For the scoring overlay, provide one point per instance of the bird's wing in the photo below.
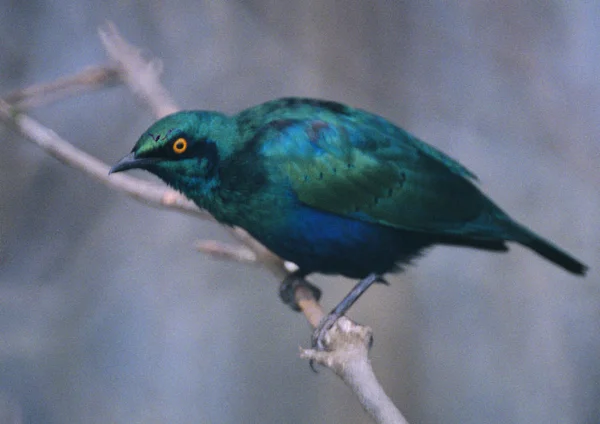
(370, 170)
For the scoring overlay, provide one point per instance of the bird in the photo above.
(332, 188)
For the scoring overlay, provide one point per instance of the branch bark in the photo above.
(40, 94)
(141, 76)
(347, 343)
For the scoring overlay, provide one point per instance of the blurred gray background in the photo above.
(108, 315)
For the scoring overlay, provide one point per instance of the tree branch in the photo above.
(227, 251)
(141, 76)
(40, 94)
(347, 343)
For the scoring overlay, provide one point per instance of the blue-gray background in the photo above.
(107, 314)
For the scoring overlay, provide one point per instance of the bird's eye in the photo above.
(180, 145)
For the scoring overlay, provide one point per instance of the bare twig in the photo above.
(347, 342)
(310, 307)
(40, 94)
(142, 76)
(227, 251)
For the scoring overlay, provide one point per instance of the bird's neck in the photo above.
(238, 188)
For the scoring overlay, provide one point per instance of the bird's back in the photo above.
(359, 166)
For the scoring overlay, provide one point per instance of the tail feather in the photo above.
(549, 251)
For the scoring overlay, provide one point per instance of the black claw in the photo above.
(287, 289)
(324, 326)
(319, 334)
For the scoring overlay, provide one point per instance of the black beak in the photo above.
(131, 162)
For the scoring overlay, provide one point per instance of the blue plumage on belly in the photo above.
(319, 241)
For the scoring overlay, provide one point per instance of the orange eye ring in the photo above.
(180, 145)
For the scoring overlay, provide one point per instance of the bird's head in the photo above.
(183, 149)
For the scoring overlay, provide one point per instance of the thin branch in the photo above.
(41, 94)
(141, 76)
(227, 251)
(311, 309)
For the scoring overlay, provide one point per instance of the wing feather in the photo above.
(361, 166)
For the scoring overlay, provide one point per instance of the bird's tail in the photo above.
(548, 250)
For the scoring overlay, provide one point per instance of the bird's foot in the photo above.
(347, 343)
(318, 336)
(288, 287)
(333, 335)
(342, 307)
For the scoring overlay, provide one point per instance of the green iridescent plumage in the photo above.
(321, 183)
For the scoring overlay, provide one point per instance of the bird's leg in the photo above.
(342, 308)
(287, 289)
